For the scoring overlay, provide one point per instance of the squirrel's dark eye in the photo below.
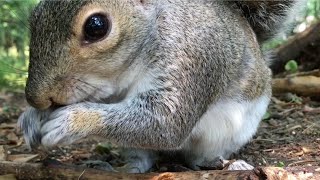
(96, 27)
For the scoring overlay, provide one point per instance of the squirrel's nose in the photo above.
(39, 103)
(38, 100)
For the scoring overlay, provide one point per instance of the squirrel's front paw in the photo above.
(69, 124)
(30, 123)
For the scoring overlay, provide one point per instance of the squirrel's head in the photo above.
(82, 49)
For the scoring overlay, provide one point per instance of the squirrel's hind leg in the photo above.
(225, 127)
(137, 160)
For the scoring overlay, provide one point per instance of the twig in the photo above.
(300, 162)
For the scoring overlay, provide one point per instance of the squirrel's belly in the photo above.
(226, 127)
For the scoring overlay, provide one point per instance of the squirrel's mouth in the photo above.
(56, 106)
(67, 90)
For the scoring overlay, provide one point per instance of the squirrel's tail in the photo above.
(267, 16)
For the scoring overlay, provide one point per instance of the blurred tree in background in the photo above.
(300, 22)
(313, 8)
(14, 38)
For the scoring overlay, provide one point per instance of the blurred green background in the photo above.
(14, 38)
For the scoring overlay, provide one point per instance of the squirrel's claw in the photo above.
(68, 124)
(60, 126)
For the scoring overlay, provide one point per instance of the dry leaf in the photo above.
(4, 132)
(8, 126)
(20, 141)
(23, 158)
(8, 177)
(299, 153)
(307, 150)
(12, 137)
(3, 154)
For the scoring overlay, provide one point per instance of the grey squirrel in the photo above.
(172, 75)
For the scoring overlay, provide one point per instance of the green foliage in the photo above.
(281, 164)
(13, 73)
(311, 13)
(313, 8)
(14, 24)
(14, 40)
(266, 116)
(104, 148)
(293, 98)
(291, 66)
(272, 43)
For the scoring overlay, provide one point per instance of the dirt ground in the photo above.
(289, 135)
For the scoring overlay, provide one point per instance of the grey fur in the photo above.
(174, 60)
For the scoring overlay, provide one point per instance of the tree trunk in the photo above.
(305, 84)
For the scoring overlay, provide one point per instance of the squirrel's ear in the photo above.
(266, 16)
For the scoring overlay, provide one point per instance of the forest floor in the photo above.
(289, 135)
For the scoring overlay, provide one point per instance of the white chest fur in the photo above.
(224, 128)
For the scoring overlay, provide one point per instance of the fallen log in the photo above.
(40, 171)
(301, 85)
(315, 72)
